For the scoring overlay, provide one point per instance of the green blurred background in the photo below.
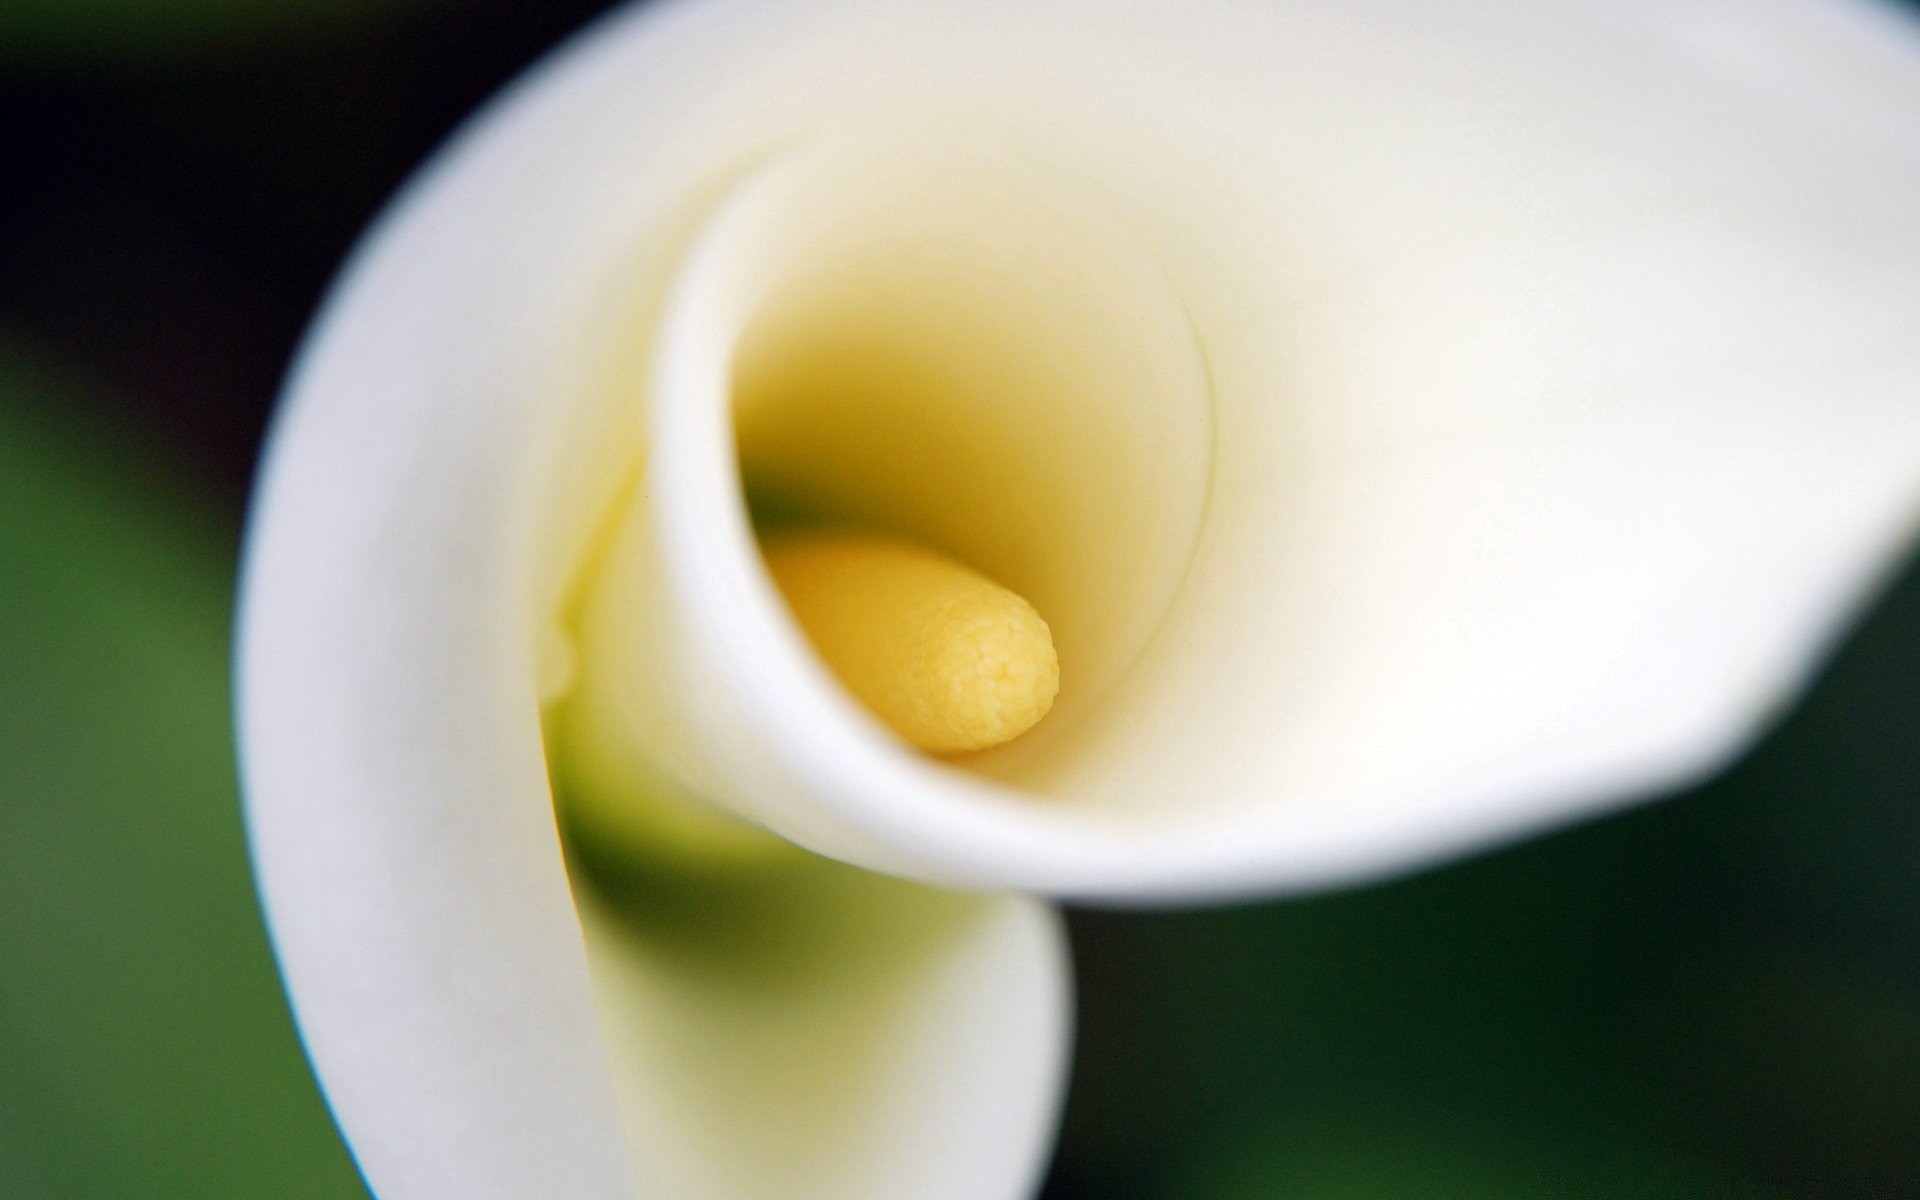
(1714, 996)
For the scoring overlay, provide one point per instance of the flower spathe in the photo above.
(1421, 422)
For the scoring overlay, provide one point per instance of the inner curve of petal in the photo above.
(1561, 410)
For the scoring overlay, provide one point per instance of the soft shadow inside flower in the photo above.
(955, 353)
(955, 348)
(962, 351)
(763, 1019)
(1418, 424)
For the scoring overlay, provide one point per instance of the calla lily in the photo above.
(1421, 422)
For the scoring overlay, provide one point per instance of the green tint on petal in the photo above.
(766, 1002)
(145, 1042)
(780, 1024)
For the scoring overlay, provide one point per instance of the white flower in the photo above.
(1421, 421)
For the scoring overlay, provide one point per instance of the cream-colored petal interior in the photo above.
(818, 1032)
(952, 347)
(945, 344)
(1422, 420)
(1418, 427)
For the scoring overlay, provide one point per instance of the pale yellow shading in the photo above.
(947, 658)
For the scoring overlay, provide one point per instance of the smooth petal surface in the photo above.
(1561, 404)
(819, 1032)
(400, 568)
(1536, 396)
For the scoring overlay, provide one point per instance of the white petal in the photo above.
(1563, 409)
(413, 527)
(1562, 404)
(826, 1034)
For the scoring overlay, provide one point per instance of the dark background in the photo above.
(1714, 996)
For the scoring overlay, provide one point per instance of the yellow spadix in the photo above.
(949, 659)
